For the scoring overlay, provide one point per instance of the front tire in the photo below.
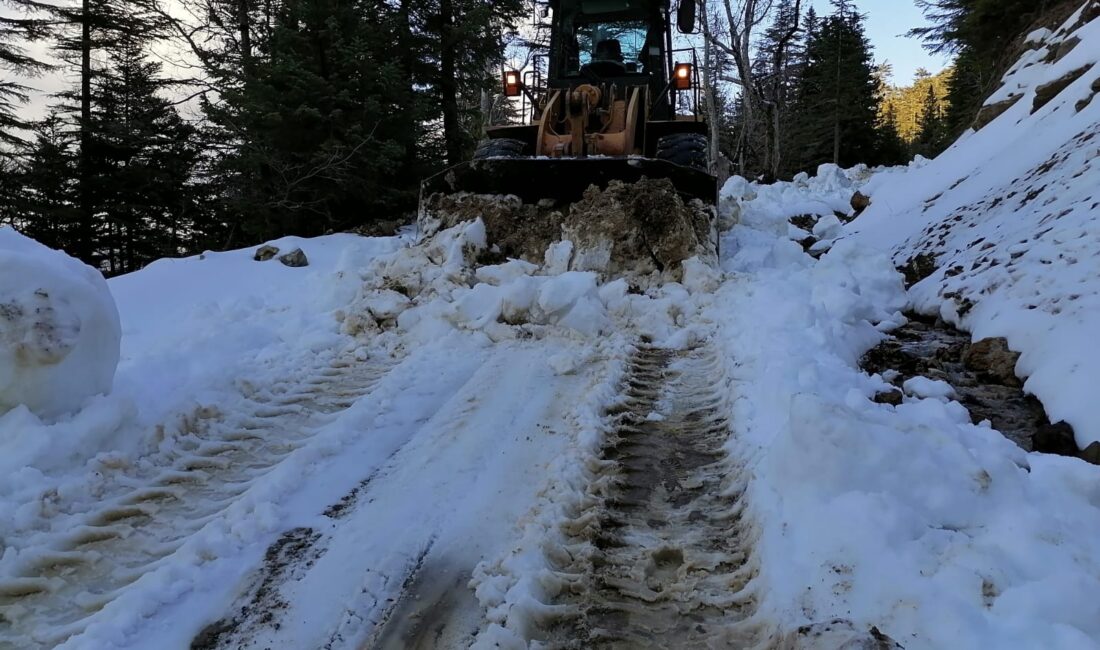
(501, 148)
(687, 149)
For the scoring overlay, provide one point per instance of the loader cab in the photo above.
(622, 42)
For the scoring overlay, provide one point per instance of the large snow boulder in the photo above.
(59, 329)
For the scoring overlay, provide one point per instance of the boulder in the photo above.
(918, 267)
(860, 202)
(990, 112)
(992, 359)
(1045, 93)
(295, 258)
(265, 253)
(891, 397)
(1054, 439)
(1091, 454)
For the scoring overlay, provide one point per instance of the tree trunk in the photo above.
(84, 247)
(245, 30)
(448, 84)
(710, 78)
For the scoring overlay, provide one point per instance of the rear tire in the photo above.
(687, 149)
(501, 148)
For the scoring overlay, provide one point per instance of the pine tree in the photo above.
(86, 32)
(892, 149)
(980, 33)
(144, 156)
(45, 207)
(931, 139)
(837, 103)
(321, 125)
(29, 25)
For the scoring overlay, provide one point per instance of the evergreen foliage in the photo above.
(838, 102)
(980, 33)
(28, 24)
(907, 102)
(932, 136)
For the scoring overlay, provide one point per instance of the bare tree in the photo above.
(742, 19)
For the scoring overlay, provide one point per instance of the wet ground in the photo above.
(981, 374)
(661, 559)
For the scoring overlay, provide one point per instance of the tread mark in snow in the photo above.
(284, 556)
(661, 559)
(147, 512)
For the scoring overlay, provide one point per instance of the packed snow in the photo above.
(59, 331)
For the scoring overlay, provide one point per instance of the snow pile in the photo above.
(59, 329)
(635, 229)
(1006, 221)
(939, 532)
(424, 291)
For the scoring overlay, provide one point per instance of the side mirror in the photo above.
(685, 16)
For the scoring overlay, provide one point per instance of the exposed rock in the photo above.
(837, 634)
(1054, 439)
(805, 221)
(918, 268)
(1048, 91)
(1058, 53)
(991, 112)
(926, 347)
(993, 360)
(295, 258)
(265, 253)
(891, 397)
(1091, 454)
(1090, 13)
(860, 202)
(1083, 104)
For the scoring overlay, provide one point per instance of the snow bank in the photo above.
(941, 533)
(1009, 217)
(59, 329)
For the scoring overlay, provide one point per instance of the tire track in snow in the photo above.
(153, 509)
(660, 558)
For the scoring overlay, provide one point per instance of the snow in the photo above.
(1010, 214)
(939, 532)
(59, 332)
(431, 425)
(928, 388)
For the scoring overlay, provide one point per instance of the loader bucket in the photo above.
(564, 180)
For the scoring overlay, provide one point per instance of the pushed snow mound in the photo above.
(59, 329)
(1000, 232)
(627, 229)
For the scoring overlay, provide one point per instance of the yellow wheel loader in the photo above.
(607, 110)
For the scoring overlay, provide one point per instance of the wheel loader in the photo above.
(606, 110)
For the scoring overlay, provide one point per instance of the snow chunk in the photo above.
(828, 227)
(59, 329)
(504, 273)
(928, 388)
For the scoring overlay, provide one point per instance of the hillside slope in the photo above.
(1008, 218)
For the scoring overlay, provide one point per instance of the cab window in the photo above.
(604, 43)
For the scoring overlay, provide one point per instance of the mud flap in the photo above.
(564, 180)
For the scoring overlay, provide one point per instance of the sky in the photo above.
(887, 23)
